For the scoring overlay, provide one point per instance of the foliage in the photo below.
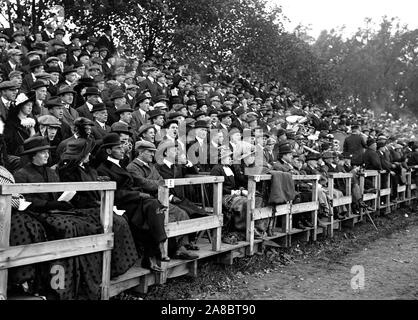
(376, 67)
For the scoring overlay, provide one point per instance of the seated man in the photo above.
(174, 166)
(144, 214)
(337, 192)
(312, 169)
(147, 178)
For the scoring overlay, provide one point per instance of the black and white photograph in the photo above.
(216, 157)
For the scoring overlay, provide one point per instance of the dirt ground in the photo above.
(320, 270)
(390, 272)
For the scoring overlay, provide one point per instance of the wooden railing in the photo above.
(213, 222)
(372, 198)
(384, 192)
(345, 200)
(51, 250)
(284, 211)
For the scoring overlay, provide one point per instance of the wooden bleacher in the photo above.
(211, 247)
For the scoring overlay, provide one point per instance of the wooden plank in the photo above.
(369, 173)
(163, 197)
(341, 201)
(178, 228)
(384, 192)
(134, 272)
(250, 215)
(306, 177)
(191, 181)
(24, 188)
(106, 217)
(264, 177)
(314, 214)
(340, 175)
(401, 188)
(52, 250)
(118, 287)
(369, 196)
(5, 217)
(304, 207)
(217, 210)
(261, 177)
(179, 270)
(266, 212)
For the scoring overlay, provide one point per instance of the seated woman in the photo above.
(82, 274)
(74, 167)
(24, 229)
(19, 125)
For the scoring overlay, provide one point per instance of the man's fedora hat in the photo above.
(91, 91)
(117, 94)
(110, 140)
(98, 107)
(119, 127)
(124, 108)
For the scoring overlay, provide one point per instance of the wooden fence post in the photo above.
(5, 221)
(217, 210)
(106, 217)
(331, 218)
(315, 212)
(163, 197)
(250, 210)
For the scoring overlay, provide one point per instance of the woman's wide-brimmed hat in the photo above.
(78, 149)
(35, 144)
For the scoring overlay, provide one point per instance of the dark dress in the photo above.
(24, 229)
(14, 135)
(82, 273)
(124, 254)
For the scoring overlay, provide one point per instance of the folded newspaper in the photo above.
(23, 204)
(67, 196)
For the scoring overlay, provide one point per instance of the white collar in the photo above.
(101, 124)
(200, 140)
(89, 105)
(143, 162)
(5, 101)
(115, 161)
(151, 78)
(168, 163)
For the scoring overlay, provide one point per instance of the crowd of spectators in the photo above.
(86, 111)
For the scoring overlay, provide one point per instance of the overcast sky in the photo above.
(328, 14)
